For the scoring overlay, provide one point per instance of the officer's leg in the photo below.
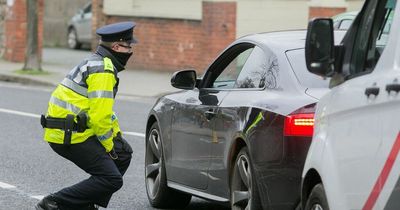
(124, 152)
(92, 158)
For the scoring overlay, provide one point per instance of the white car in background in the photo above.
(353, 159)
(80, 28)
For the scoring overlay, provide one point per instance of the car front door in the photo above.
(353, 114)
(193, 121)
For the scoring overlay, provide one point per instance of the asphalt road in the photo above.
(29, 169)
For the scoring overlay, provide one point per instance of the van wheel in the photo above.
(158, 193)
(317, 199)
(244, 191)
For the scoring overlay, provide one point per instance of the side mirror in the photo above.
(185, 79)
(319, 50)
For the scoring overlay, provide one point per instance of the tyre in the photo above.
(72, 41)
(158, 193)
(317, 199)
(244, 191)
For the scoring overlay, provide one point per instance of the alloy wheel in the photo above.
(242, 186)
(153, 163)
(317, 207)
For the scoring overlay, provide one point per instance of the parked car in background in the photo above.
(353, 161)
(240, 134)
(344, 20)
(80, 28)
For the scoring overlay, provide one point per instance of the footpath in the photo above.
(58, 62)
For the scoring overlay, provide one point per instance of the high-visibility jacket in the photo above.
(90, 88)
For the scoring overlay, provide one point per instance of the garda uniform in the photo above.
(81, 126)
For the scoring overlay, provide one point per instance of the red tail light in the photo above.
(300, 122)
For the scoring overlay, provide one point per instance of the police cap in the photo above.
(117, 32)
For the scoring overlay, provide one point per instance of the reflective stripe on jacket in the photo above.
(90, 87)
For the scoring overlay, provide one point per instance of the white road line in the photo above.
(38, 197)
(134, 134)
(7, 186)
(9, 111)
(26, 114)
(16, 190)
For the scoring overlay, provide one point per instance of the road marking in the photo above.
(26, 114)
(134, 134)
(38, 197)
(7, 186)
(15, 189)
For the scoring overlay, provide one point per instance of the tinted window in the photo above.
(371, 36)
(298, 62)
(88, 9)
(254, 71)
(227, 78)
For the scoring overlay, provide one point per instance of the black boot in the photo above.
(47, 203)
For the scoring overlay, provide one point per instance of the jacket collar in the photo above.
(106, 52)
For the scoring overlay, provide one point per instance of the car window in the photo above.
(371, 36)
(306, 79)
(254, 71)
(88, 9)
(345, 24)
(227, 78)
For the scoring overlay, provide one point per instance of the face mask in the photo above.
(122, 57)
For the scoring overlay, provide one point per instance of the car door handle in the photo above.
(372, 91)
(209, 114)
(393, 87)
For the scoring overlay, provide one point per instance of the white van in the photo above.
(353, 160)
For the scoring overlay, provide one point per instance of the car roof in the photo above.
(286, 39)
(282, 40)
(344, 15)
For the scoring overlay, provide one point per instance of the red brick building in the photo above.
(171, 42)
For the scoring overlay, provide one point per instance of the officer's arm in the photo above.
(115, 122)
(101, 101)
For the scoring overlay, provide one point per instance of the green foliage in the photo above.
(32, 72)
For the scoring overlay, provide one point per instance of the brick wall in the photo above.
(173, 44)
(16, 30)
(325, 11)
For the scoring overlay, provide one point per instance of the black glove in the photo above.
(113, 154)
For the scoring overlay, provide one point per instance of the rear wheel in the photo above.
(244, 191)
(317, 199)
(73, 42)
(158, 193)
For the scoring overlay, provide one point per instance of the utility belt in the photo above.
(67, 124)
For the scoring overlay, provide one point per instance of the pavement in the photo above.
(59, 61)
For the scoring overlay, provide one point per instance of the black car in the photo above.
(240, 134)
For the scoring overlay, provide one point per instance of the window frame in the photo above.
(375, 13)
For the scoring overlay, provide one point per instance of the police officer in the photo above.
(80, 124)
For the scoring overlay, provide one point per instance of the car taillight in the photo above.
(300, 122)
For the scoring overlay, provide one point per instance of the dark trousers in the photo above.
(106, 173)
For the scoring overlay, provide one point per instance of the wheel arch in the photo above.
(150, 121)
(311, 179)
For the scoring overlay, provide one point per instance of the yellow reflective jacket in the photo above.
(90, 87)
